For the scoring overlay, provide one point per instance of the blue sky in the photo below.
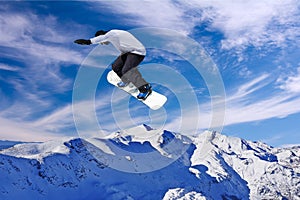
(254, 45)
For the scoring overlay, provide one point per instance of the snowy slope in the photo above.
(143, 163)
(270, 173)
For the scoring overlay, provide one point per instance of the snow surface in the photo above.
(36, 151)
(144, 163)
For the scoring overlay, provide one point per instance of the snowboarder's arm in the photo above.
(83, 42)
(101, 39)
(91, 41)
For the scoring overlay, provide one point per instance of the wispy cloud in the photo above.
(253, 22)
(242, 23)
(249, 88)
(38, 39)
(41, 46)
(165, 14)
(22, 131)
(244, 105)
(60, 119)
(8, 67)
(290, 84)
(249, 106)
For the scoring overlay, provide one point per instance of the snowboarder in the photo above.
(125, 66)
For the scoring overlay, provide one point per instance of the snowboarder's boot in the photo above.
(145, 91)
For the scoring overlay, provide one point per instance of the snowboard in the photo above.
(154, 101)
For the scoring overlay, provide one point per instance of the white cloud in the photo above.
(22, 131)
(249, 87)
(252, 22)
(244, 107)
(165, 14)
(8, 67)
(35, 39)
(42, 45)
(62, 118)
(50, 126)
(291, 84)
(242, 22)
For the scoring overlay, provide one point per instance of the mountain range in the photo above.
(145, 163)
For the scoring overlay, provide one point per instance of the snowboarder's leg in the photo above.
(125, 66)
(130, 71)
(118, 64)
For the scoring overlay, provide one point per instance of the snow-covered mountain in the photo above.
(144, 163)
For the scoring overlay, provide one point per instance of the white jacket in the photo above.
(122, 40)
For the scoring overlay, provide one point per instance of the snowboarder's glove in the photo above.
(83, 42)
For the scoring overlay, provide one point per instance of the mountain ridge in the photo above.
(154, 164)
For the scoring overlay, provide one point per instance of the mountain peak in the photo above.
(143, 128)
(141, 133)
(148, 128)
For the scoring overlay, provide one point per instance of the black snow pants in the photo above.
(126, 68)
